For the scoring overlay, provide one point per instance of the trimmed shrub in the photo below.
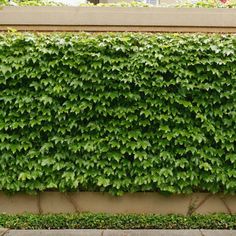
(109, 221)
(121, 112)
(22, 3)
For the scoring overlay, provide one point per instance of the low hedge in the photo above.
(109, 221)
(22, 3)
(119, 113)
(207, 4)
(181, 4)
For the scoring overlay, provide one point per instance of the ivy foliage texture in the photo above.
(119, 113)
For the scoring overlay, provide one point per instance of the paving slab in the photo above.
(103, 233)
(218, 232)
(88, 232)
(67, 232)
(152, 233)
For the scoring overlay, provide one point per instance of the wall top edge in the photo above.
(112, 16)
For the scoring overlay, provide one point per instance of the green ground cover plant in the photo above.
(115, 221)
(118, 112)
(184, 4)
(207, 4)
(178, 4)
(118, 4)
(22, 3)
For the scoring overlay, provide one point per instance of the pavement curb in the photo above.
(94, 232)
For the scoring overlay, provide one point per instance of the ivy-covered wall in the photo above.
(118, 112)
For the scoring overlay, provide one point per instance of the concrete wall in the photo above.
(55, 202)
(118, 19)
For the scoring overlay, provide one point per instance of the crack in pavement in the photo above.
(201, 232)
(4, 232)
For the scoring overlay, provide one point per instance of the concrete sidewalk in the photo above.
(94, 232)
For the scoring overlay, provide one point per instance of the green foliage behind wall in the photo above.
(118, 112)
